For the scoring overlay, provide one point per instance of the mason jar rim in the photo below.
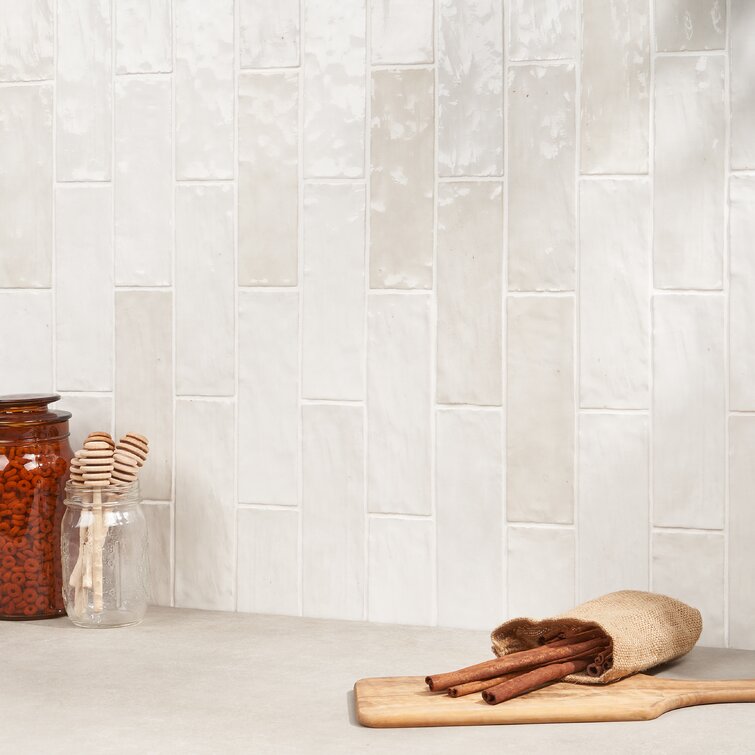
(115, 494)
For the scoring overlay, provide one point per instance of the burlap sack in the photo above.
(646, 629)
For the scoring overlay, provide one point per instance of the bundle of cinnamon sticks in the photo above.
(560, 653)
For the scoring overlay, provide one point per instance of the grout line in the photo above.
(173, 484)
(689, 291)
(396, 515)
(470, 179)
(78, 184)
(541, 61)
(441, 407)
(613, 176)
(53, 214)
(612, 410)
(168, 287)
(689, 53)
(268, 506)
(268, 70)
(204, 181)
(235, 222)
(199, 397)
(688, 530)
(33, 82)
(528, 294)
(400, 291)
(145, 75)
(269, 289)
(335, 179)
(330, 402)
(400, 66)
(541, 526)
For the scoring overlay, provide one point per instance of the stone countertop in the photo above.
(189, 681)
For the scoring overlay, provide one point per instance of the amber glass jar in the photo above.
(34, 458)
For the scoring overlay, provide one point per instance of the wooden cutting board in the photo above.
(404, 701)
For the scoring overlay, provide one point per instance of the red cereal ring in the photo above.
(41, 603)
(30, 610)
(14, 590)
(8, 562)
(29, 595)
(17, 579)
(45, 527)
(24, 485)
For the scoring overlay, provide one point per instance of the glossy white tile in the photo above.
(741, 66)
(143, 36)
(541, 29)
(268, 33)
(690, 25)
(26, 40)
(402, 31)
(90, 413)
(159, 536)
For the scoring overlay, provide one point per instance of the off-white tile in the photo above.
(614, 293)
(401, 179)
(90, 413)
(84, 288)
(143, 36)
(334, 297)
(399, 404)
(541, 219)
(268, 179)
(268, 561)
(143, 182)
(268, 33)
(401, 585)
(469, 485)
(333, 535)
(159, 535)
(690, 25)
(26, 40)
(689, 422)
(542, 29)
(205, 505)
(689, 172)
(540, 416)
(402, 31)
(204, 291)
(204, 93)
(469, 291)
(268, 397)
(742, 64)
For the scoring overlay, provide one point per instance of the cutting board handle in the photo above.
(705, 692)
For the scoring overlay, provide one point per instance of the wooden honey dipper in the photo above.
(130, 454)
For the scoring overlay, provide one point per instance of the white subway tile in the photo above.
(540, 571)
(690, 25)
(268, 33)
(144, 381)
(614, 293)
(470, 88)
(542, 29)
(541, 224)
(399, 404)
(333, 532)
(401, 179)
(540, 417)
(689, 421)
(204, 291)
(689, 566)
(143, 182)
(26, 346)
(84, 92)
(402, 31)
(268, 397)
(268, 561)
(26, 179)
(469, 291)
(401, 584)
(334, 297)
(615, 82)
(204, 87)
(159, 533)
(84, 288)
(91, 413)
(26, 40)
(334, 88)
(268, 179)
(742, 64)
(469, 485)
(143, 36)
(689, 172)
(613, 509)
(205, 505)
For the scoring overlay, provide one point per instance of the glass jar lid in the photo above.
(23, 409)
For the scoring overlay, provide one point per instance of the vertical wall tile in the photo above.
(741, 293)
(333, 512)
(143, 182)
(542, 29)
(144, 381)
(26, 40)
(540, 417)
(268, 33)
(204, 273)
(689, 172)
(470, 88)
(91, 413)
(402, 31)
(469, 485)
(84, 95)
(143, 36)
(540, 571)
(268, 561)
(401, 179)
(688, 411)
(614, 293)
(268, 179)
(334, 298)
(26, 179)
(469, 290)
(399, 404)
(268, 397)
(690, 25)
(84, 288)
(690, 566)
(401, 584)
(204, 89)
(159, 529)
(615, 80)
(541, 224)
(26, 346)
(613, 504)
(742, 64)
(205, 506)
(334, 88)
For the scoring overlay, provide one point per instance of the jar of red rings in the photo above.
(34, 458)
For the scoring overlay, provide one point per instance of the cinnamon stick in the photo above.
(531, 680)
(467, 689)
(554, 634)
(589, 634)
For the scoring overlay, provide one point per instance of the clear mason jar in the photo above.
(104, 555)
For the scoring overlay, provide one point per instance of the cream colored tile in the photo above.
(402, 31)
(742, 64)
(690, 25)
(143, 36)
(268, 33)
(26, 40)
(90, 413)
(159, 535)
(542, 29)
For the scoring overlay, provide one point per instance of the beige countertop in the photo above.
(199, 682)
